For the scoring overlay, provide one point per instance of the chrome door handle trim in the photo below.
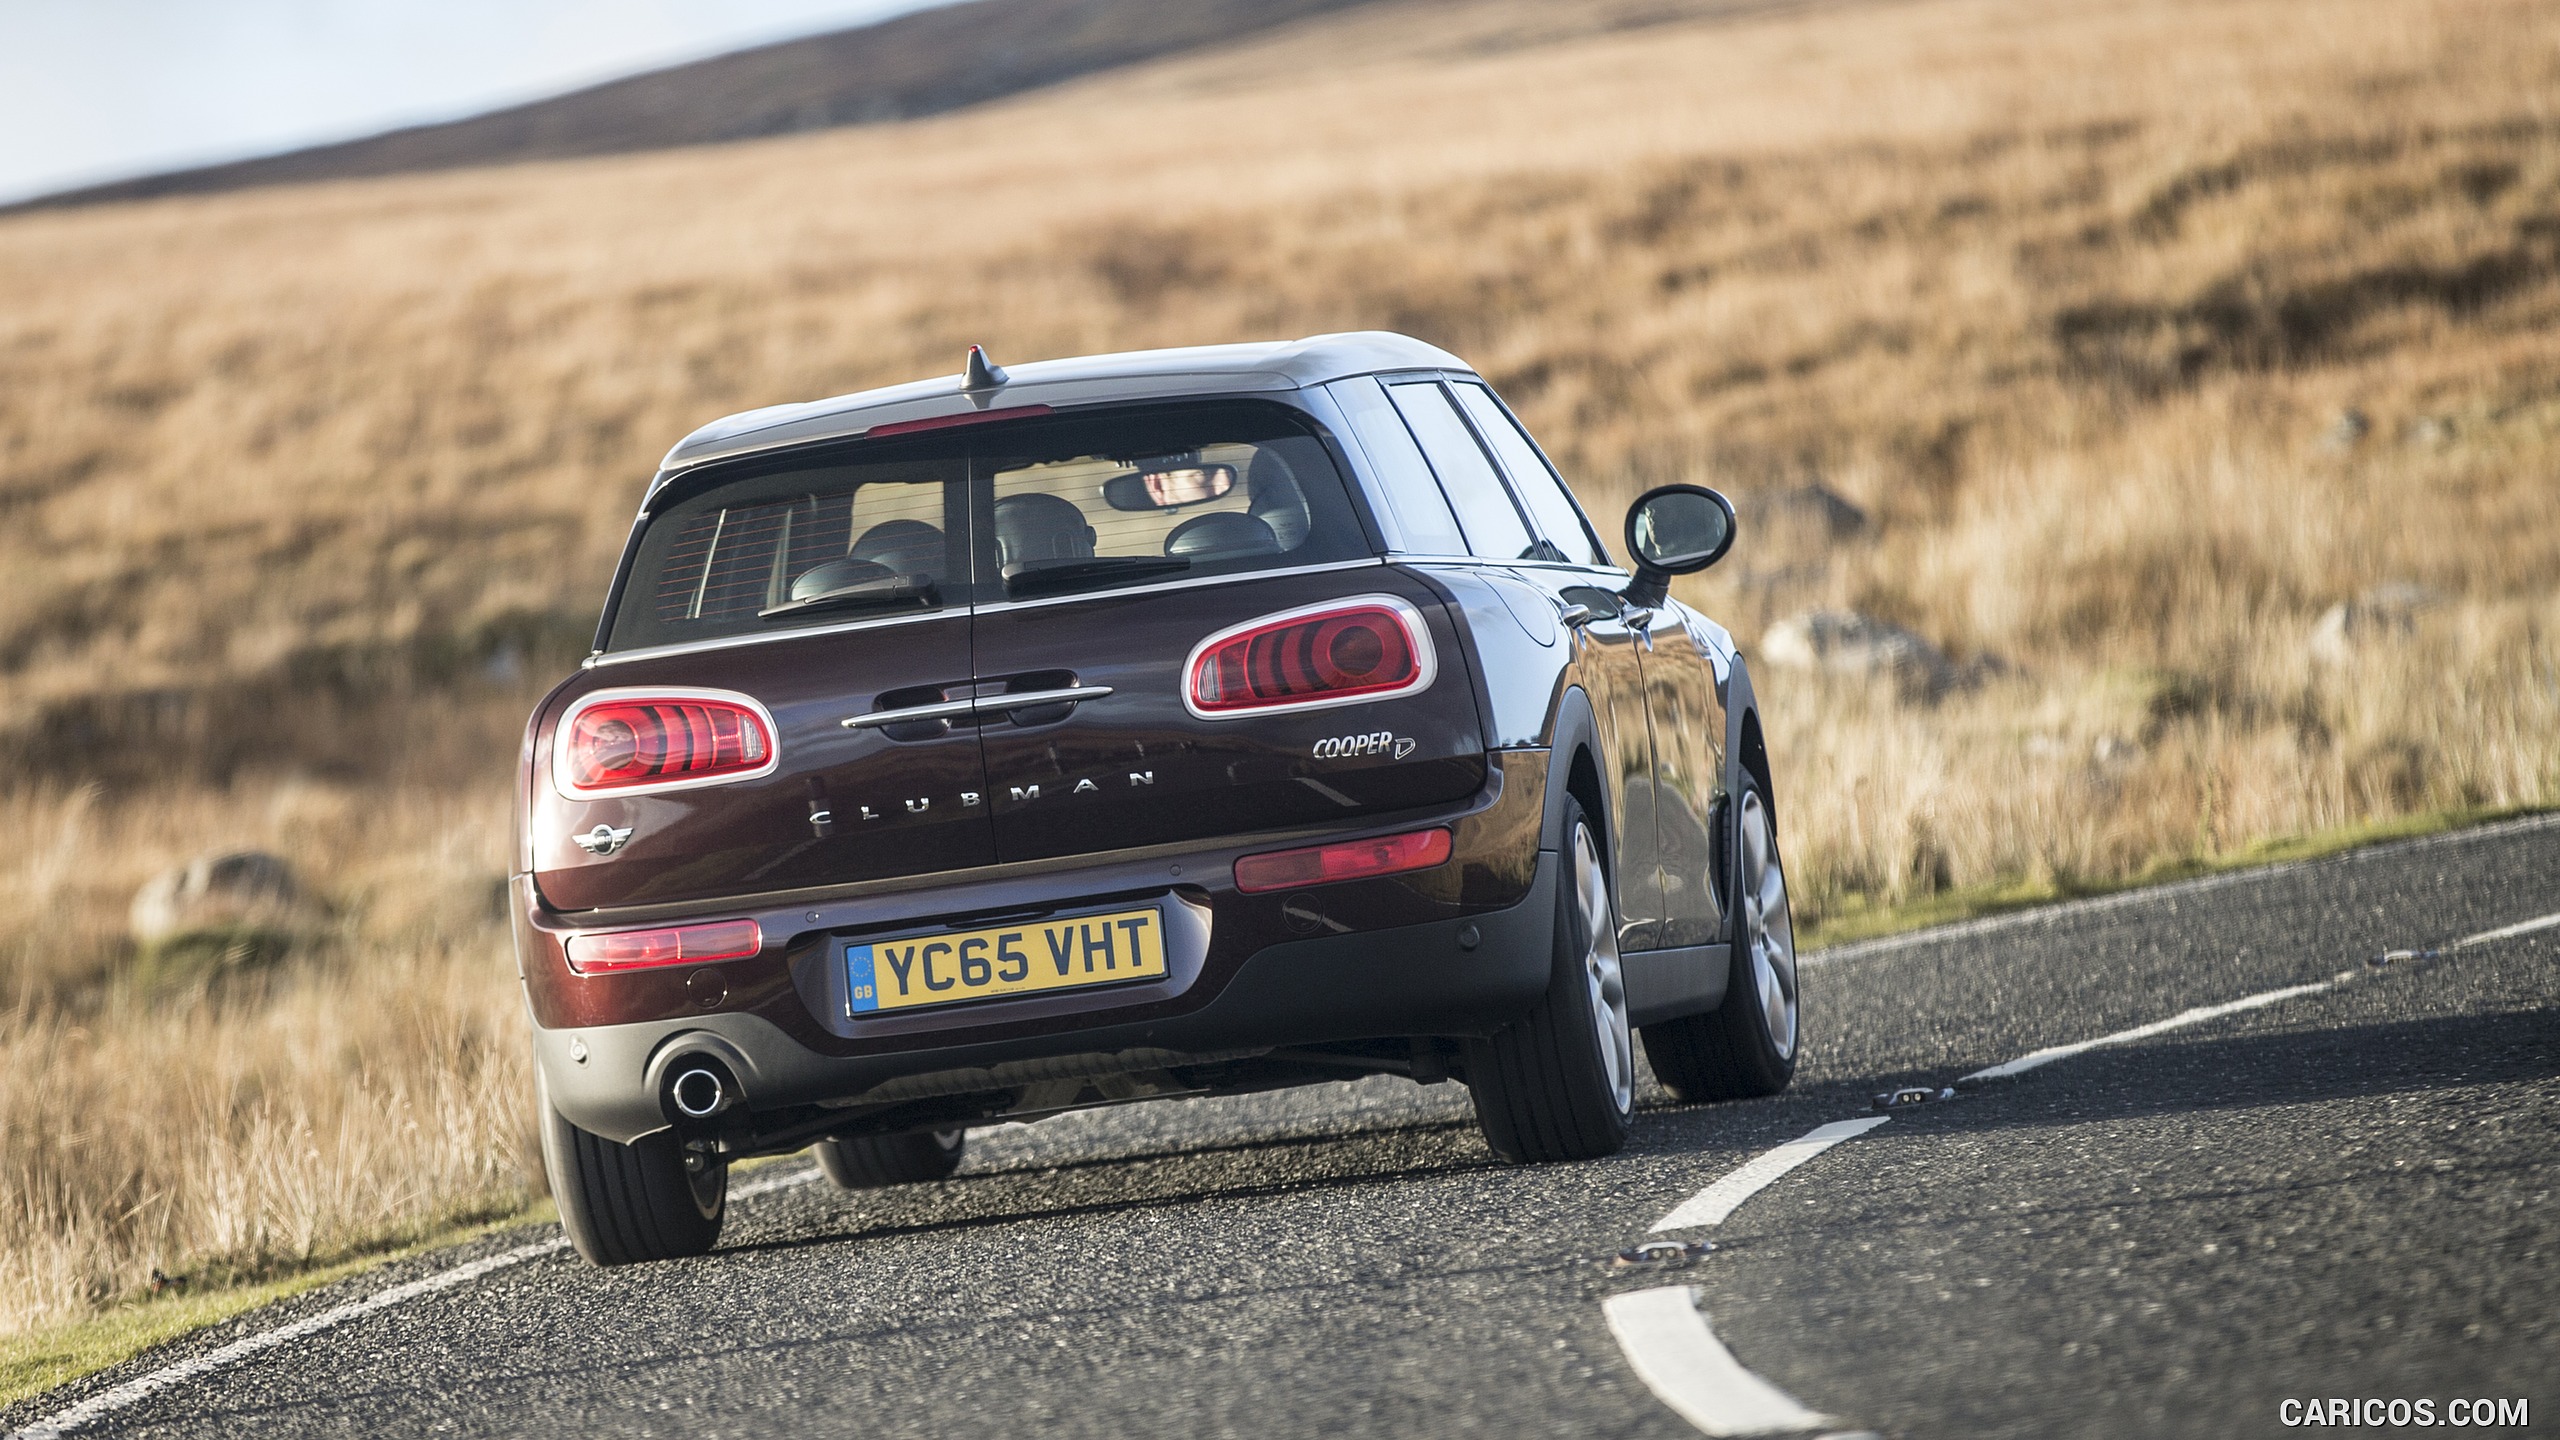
(1001, 704)
(1024, 700)
(1575, 616)
(943, 711)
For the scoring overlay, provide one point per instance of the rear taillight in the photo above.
(1343, 860)
(1371, 648)
(619, 743)
(646, 949)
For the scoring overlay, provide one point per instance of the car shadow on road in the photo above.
(1157, 1180)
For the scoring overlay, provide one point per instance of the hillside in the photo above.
(2112, 345)
(913, 65)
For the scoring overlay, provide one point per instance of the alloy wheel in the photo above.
(1602, 971)
(1768, 927)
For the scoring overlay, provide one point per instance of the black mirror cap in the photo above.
(1675, 530)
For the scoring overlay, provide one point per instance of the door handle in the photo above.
(1574, 617)
(1000, 704)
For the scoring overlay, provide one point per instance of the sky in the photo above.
(95, 90)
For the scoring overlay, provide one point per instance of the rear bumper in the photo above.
(1469, 974)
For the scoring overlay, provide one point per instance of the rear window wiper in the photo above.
(884, 590)
(1066, 575)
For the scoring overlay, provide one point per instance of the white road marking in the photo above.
(1680, 1360)
(134, 1391)
(2182, 1019)
(2509, 932)
(2065, 909)
(1711, 1205)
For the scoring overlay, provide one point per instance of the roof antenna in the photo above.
(982, 374)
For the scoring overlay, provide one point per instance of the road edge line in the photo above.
(2055, 911)
(143, 1387)
(2046, 1056)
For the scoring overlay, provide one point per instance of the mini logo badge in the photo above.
(603, 840)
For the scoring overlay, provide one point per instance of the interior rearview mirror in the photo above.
(1169, 487)
(1675, 530)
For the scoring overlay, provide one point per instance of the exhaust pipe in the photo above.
(699, 1091)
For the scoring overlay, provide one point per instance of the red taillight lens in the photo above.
(684, 945)
(1347, 860)
(1345, 653)
(619, 744)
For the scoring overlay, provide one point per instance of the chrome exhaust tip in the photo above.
(699, 1092)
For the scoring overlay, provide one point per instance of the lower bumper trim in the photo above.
(1468, 976)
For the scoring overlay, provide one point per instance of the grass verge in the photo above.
(1853, 918)
(39, 1360)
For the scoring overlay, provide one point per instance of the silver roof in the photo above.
(1129, 375)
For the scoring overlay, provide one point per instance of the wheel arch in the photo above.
(1747, 759)
(1573, 772)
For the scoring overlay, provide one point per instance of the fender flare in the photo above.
(1741, 720)
(1575, 729)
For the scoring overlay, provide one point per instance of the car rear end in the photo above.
(1069, 750)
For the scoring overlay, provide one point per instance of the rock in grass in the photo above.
(2388, 611)
(1845, 642)
(2346, 431)
(217, 913)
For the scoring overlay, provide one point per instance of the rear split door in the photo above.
(1220, 651)
(773, 708)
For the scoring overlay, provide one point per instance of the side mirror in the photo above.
(1675, 530)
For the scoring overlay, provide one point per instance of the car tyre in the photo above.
(1559, 1083)
(867, 1162)
(1747, 1046)
(624, 1204)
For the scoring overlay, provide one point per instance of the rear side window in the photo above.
(1163, 493)
(1538, 487)
(1493, 525)
(1421, 511)
(800, 544)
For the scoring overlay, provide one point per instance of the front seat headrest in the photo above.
(1221, 535)
(1033, 527)
(1277, 501)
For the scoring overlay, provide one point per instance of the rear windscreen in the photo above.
(1176, 492)
(1009, 511)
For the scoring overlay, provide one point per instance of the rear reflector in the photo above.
(622, 743)
(1344, 860)
(646, 949)
(1371, 648)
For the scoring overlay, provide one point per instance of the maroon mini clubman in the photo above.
(1188, 722)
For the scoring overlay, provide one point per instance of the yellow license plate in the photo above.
(1004, 960)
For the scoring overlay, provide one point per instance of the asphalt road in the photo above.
(2346, 1193)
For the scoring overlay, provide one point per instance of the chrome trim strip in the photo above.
(941, 711)
(1000, 704)
(766, 637)
(1024, 699)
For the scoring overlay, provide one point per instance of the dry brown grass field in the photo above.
(309, 492)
